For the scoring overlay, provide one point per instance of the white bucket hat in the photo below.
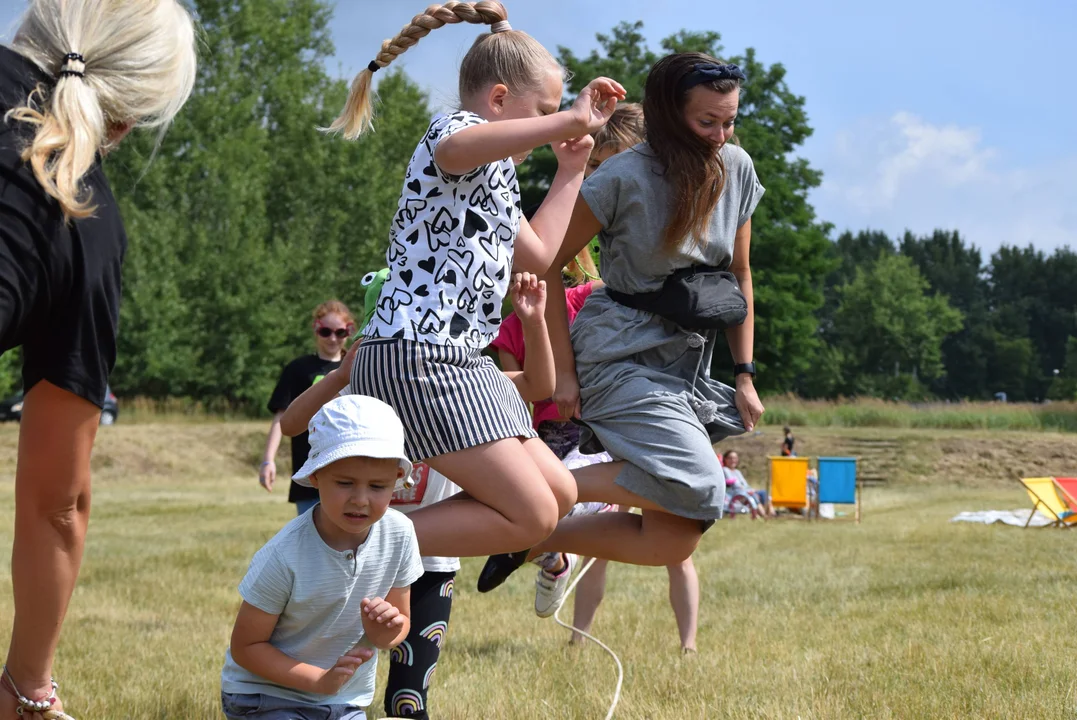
(354, 426)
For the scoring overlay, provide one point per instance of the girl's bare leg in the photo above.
(589, 592)
(684, 598)
(509, 504)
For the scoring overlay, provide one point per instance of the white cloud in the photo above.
(905, 173)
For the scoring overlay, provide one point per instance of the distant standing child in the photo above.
(331, 325)
(788, 444)
(334, 583)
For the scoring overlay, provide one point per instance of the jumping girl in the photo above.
(456, 238)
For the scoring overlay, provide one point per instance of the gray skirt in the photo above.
(644, 385)
(448, 398)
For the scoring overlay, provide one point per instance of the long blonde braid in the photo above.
(358, 114)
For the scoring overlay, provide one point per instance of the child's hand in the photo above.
(573, 154)
(529, 298)
(381, 621)
(335, 677)
(596, 103)
(346, 364)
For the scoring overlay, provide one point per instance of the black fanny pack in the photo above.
(696, 298)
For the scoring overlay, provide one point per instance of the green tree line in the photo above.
(246, 216)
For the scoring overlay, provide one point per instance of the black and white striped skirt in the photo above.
(448, 398)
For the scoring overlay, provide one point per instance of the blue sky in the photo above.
(943, 113)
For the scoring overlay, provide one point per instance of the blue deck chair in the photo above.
(837, 483)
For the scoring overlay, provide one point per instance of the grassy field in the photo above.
(904, 616)
(866, 412)
(781, 410)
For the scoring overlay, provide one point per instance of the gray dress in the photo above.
(645, 385)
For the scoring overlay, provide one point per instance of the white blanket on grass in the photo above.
(1009, 517)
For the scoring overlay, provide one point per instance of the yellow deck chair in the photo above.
(788, 486)
(1045, 498)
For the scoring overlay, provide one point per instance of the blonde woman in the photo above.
(78, 76)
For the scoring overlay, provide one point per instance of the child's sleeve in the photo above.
(268, 583)
(447, 126)
(510, 337)
(410, 567)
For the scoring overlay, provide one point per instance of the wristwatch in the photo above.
(741, 368)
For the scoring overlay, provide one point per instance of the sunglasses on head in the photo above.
(341, 333)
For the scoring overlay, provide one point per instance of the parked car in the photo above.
(11, 408)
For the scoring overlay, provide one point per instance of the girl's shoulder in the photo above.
(444, 124)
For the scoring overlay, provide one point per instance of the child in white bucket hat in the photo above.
(334, 583)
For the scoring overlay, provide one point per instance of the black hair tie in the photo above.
(73, 56)
(373, 66)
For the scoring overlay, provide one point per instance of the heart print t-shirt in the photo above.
(450, 248)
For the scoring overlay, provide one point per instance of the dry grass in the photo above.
(904, 616)
(867, 412)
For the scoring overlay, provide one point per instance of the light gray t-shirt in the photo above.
(630, 197)
(317, 592)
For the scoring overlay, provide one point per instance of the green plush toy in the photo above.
(372, 281)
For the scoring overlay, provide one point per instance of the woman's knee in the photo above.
(67, 515)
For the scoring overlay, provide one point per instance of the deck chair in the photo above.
(837, 483)
(1067, 490)
(1045, 498)
(788, 483)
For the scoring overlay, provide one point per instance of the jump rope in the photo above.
(575, 582)
(592, 638)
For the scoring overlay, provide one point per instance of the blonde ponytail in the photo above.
(117, 64)
(358, 114)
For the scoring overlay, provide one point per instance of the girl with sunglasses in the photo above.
(333, 324)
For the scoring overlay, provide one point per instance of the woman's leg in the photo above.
(589, 592)
(597, 483)
(412, 663)
(684, 598)
(653, 538)
(52, 510)
(514, 498)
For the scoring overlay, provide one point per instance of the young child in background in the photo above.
(334, 584)
(624, 130)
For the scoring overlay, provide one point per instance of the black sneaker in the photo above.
(498, 568)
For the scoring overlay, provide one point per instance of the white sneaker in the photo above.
(550, 589)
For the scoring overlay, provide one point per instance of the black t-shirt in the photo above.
(297, 376)
(59, 281)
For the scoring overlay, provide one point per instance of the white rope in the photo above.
(592, 638)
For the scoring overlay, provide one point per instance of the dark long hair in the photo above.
(695, 172)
